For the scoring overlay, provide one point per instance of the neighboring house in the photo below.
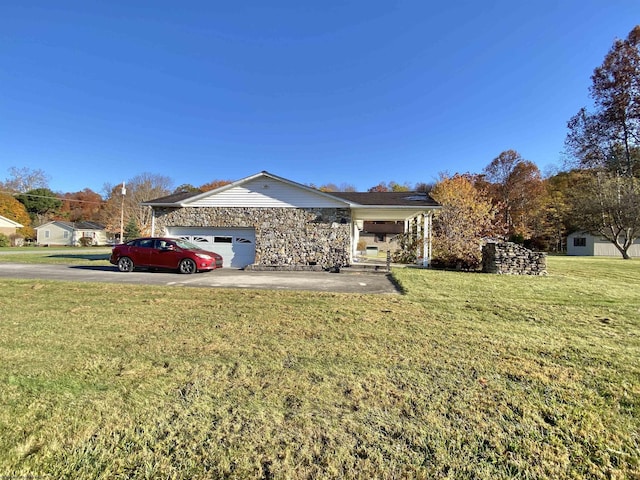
(586, 244)
(58, 232)
(381, 235)
(268, 221)
(8, 226)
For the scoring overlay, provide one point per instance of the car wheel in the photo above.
(125, 264)
(187, 266)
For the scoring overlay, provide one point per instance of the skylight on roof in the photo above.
(417, 197)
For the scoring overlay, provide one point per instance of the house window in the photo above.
(65, 234)
(47, 234)
(380, 237)
(580, 241)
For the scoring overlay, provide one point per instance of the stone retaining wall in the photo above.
(286, 238)
(512, 259)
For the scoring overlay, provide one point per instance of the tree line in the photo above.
(597, 191)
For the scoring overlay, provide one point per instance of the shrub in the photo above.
(407, 246)
(86, 241)
(4, 240)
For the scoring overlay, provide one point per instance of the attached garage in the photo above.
(236, 245)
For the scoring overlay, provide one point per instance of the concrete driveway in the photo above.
(343, 282)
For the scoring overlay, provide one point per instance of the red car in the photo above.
(169, 253)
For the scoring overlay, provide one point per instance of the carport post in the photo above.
(426, 239)
(153, 222)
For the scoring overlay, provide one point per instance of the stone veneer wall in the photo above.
(513, 259)
(286, 238)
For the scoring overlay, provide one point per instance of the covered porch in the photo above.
(417, 223)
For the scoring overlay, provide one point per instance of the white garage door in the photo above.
(236, 245)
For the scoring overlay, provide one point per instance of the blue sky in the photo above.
(353, 92)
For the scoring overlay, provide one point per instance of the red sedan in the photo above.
(170, 253)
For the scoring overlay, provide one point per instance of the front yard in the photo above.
(463, 376)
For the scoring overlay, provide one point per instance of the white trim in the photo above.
(11, 223)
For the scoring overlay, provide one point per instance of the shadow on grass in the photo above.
(87, 256)
(396, 283)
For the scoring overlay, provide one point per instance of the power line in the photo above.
(63, 199)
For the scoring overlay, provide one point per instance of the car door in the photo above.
(164, 254)
(140, 251)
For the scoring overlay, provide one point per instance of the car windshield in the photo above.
(186, 245)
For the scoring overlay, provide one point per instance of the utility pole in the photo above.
(124, 192)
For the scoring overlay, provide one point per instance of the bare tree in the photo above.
(143, 187)
(609, 205)
(23, 179)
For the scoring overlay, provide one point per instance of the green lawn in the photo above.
(57, 255)
(463, 376)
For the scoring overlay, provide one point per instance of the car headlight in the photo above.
(204, 256)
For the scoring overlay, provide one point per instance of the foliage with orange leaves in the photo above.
(85, 205)
(14, 210)
(212, 185)
(467, 215)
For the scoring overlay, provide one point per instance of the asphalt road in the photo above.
(344, 282)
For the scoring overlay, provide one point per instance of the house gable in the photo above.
(267, 192)
(8, 226)
(8, 223)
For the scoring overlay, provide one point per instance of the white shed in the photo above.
(586, 244)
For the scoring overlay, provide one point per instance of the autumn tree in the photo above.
(390, 187)
(517, 188)
(466, 217)
(212, 185)
(555, 218)
(14, 210)
(84, 205)
(606, 144)
(327, 187)
(381, 187)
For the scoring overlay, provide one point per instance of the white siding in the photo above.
(266, 192)
(56, 235)
(598, 246)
